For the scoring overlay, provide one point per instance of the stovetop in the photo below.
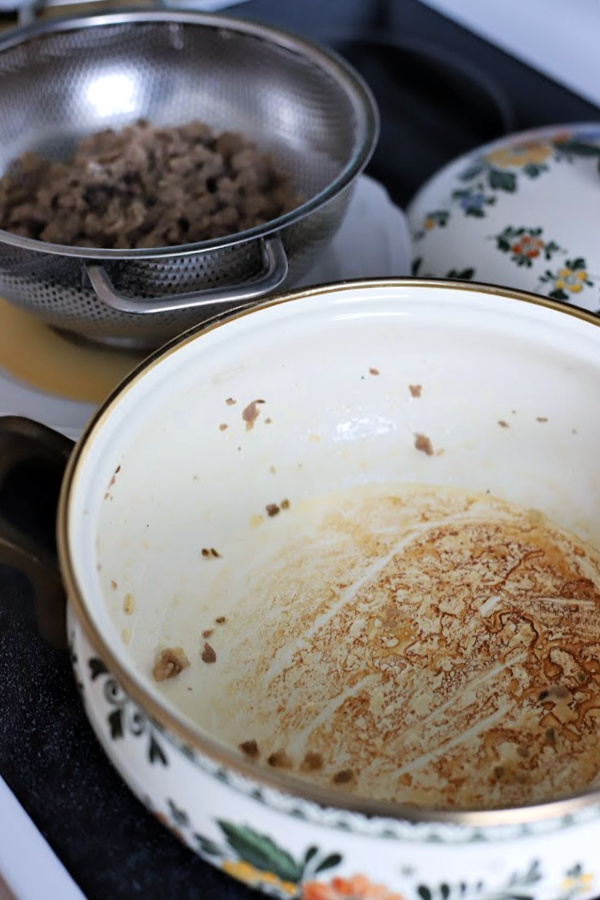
(441, 91)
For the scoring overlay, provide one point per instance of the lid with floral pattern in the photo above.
(522, 212)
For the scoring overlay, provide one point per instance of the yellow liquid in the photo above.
(43, 359)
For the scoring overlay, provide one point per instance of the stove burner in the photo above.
(434, 106)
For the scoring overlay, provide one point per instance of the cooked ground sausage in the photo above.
(144, 187)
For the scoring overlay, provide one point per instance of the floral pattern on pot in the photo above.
(125, 715)
(569, 280)
(520, 886)
(357, 887)
(258, 861)
(459, 274)
(502, 168)
(525, 245)
(499, 171)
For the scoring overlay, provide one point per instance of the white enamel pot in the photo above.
(312, 393)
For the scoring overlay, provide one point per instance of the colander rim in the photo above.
(352, 83)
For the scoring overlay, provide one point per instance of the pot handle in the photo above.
(32, 463)
(275, 270)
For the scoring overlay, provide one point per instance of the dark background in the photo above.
(441, 92)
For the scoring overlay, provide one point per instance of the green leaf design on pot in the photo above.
(568, 281)
(261, 852)
(461, 274)
(525, 245)
(125, 717)
(255, 858)
(569, 147)
(502, 181)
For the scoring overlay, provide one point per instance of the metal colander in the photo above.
(67, 78)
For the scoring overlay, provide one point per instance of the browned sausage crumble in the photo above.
(343, 777)
(251, 413)
(169, 663)
(423, 443)
(250, 748)
(208, 653)
(279, 760)
(145, 187)
(312, 761)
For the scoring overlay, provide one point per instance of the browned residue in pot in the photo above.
(434, 647)
(415, 390)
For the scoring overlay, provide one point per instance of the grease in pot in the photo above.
(415, 643)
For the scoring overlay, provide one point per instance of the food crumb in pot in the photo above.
(268, 420)
(220, 620)
(230, 401)
(128, 604)
(251, 413)
(279, 760)
(145, 186)
(285, 503)
(210, 553)
(250, 748)
(272, 470)
(423, 443)
(373, 371)
(343, 777)
(502, 423)
(168, 663)
(272, 509)
(415, 390)
(223, 426)
(208, 653)
(208, 632)
(312, 761)
(541, 418)
(114, 585)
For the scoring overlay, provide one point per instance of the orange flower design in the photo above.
(533, 152)
(528, 246)
(355, 888)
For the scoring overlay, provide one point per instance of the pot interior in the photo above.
(245, 505)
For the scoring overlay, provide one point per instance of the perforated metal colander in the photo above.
(70, 77)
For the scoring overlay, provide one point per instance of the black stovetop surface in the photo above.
(441, 92)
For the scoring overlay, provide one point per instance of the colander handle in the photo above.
(275, 270)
